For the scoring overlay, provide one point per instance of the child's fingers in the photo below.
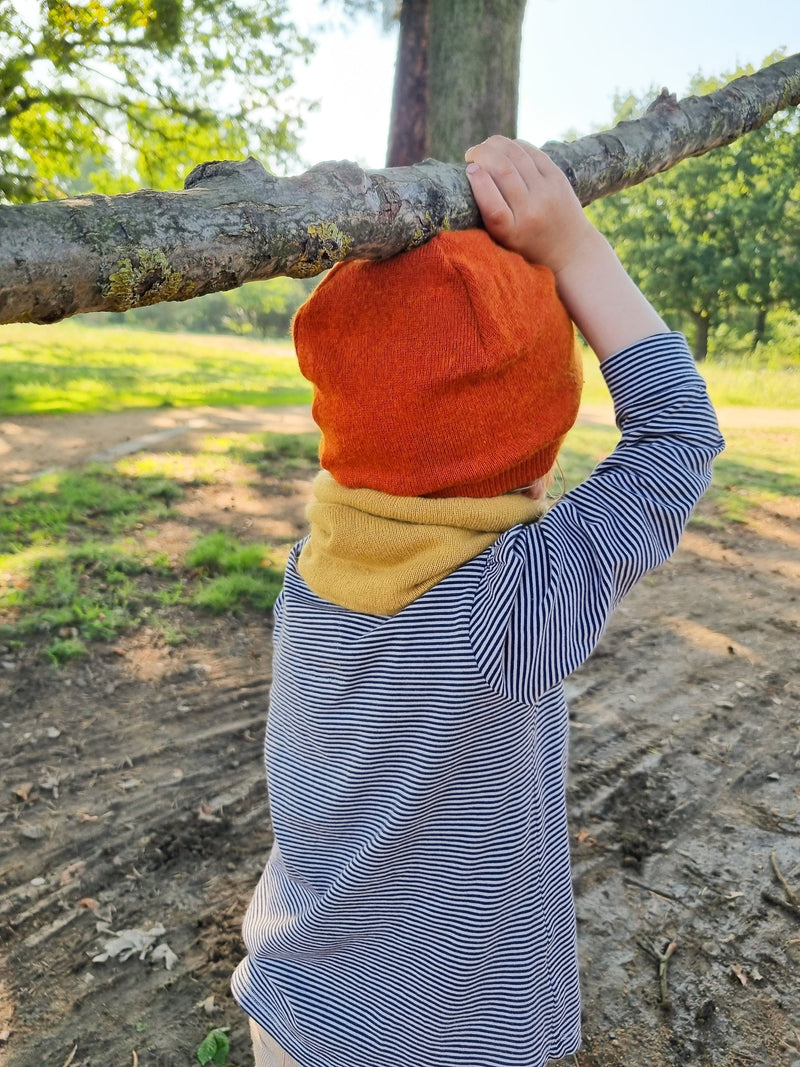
(510, 169)
(549, 171)
(495, 212)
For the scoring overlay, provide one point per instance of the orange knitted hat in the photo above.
(449, 370)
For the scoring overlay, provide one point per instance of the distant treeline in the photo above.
(715, 242)
(258, 310)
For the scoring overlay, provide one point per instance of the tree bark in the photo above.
(474, 73)
(408, 126)
(702, 328)
(761, 327)
(235, 223)
(456, 79)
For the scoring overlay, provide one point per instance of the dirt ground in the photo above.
(133, 800)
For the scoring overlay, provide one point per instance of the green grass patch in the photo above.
(280, 455)
(757, 469)
(87, 592)
(89, 502)
(237, 575)
(739, 381)
(68, 368)
(81, 560)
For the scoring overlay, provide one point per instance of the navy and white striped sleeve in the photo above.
(549, 589)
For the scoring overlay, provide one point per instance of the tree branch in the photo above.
(235, 223)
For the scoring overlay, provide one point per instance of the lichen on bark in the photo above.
(150, 280)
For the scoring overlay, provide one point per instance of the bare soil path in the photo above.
(33, 444)
(133, 799)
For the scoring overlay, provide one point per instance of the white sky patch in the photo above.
(576, 54)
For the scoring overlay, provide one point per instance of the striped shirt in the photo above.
(417, 902)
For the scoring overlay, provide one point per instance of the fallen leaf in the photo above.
(125, 943)
(165, 953)
(23, 791)
(73, 871)
(205, 814)
(740, 973)
(583, 837)
(89, 902)
(84, 816)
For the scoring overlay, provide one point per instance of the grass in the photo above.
(92, 501)
(238, 574)
(758, 468)
(80, 558)
(79, 550)
(69, 368)
(735, 382)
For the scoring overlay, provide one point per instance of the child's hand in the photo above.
(526, 203)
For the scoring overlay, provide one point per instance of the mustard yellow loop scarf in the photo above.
(376, 553)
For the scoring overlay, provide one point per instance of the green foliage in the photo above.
(68, 368)
(85, 593)
(258, 309)
(173, 81)
(715, 235)
(68, 573)
(214, 1048)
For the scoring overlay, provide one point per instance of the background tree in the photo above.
(717, 234)
(456, 77)
(98, 88)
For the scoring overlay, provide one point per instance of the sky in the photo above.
(576, 55)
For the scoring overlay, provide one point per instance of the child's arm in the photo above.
(528, 205)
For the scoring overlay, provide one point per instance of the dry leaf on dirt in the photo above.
(126, 943)
(73, 871)
(205, 814)
(23, 791)
(740, 973)
(165, 953)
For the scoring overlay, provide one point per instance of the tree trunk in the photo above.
(408, 127)
(235, 223)
(760, 328)
(702, 325)
(456, 79)
(474, 73)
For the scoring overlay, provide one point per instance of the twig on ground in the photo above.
(656, 892)
(791, 898)
(791, 895)
(71, 1057)
(779, 902)
(663, 959)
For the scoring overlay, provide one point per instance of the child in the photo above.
(417, 905)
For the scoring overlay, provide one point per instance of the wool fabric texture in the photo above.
(449, 370)
(375, 553)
